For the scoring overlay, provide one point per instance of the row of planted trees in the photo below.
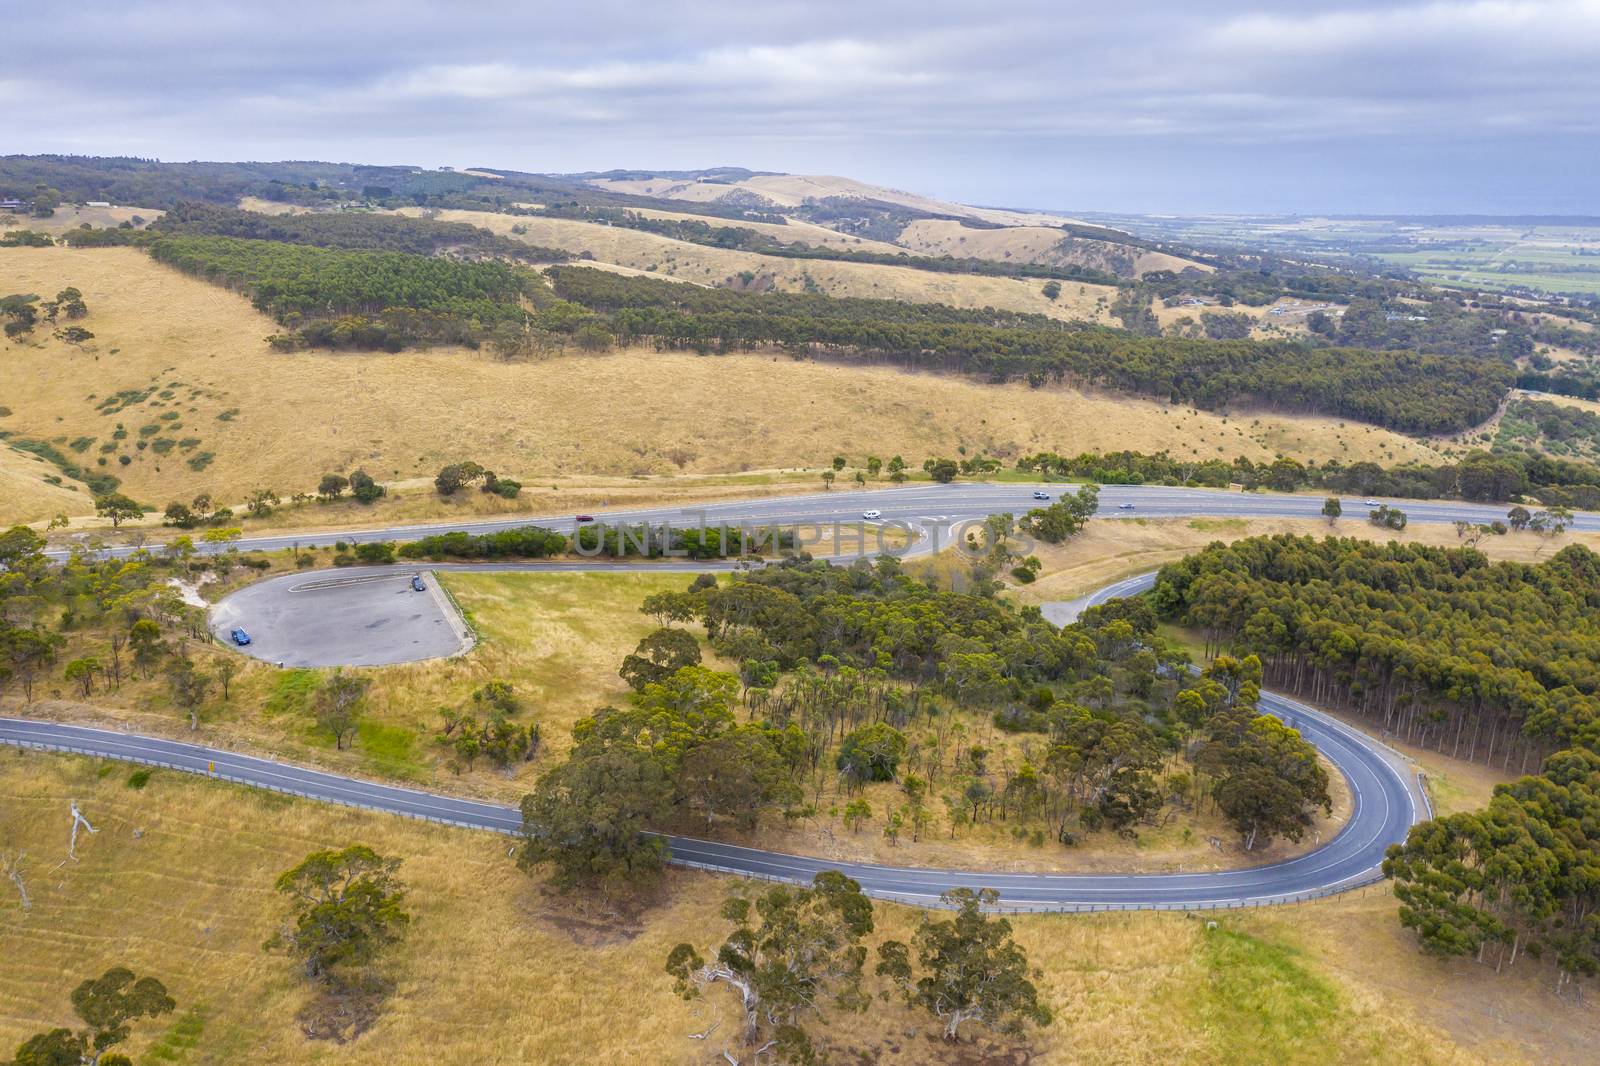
(1493, 662)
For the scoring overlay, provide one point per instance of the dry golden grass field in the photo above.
(685, 261)
(792, 190)
(794, 231)
(70, 217)
(1030, 244)
(176, 883)
(180, 361)
(27, 496)
(271, 207)
(1110, 550)
(180, 873)
(1592, 406)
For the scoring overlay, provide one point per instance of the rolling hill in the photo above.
(183, 368)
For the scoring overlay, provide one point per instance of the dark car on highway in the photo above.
(416, 583)
(240, 637)
(584, 518)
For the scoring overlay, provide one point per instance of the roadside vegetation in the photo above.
(1444, 650)
(486, 940)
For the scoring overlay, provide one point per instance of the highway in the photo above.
(929, 509)
(1385, 796)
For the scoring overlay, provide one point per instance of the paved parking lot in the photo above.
(366, 616)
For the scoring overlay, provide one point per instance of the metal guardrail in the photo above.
(1002, 907)
(219, 775)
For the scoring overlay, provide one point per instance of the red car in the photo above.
(585, 518)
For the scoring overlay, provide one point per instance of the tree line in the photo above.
(1359, 625)
(1479, 476)
(352, 298)
(1494, 662)
(1407, 390)
(744, 239)
(350, 230)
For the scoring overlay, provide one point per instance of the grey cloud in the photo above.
(1226, 105)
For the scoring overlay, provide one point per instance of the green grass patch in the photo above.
(181, 1037)
(1190, 640)
(138, 779)
(1219, 525)
(1259, 1003)
(292, 691)
(390, 749)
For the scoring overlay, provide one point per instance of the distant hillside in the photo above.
(791, 190)
(916, 223)
(1047, 245)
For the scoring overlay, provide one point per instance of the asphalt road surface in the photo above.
(1386, 802)
(929, 509)
(356, 617)
(371, 615)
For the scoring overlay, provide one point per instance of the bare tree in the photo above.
(13, 870)
(77, 820)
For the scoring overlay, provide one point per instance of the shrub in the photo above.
(381, 551)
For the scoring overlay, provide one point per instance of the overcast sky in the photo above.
(1165, 106)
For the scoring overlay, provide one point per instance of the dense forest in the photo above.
(354, 231)
(360, 298)
(1479, 476)
(1516, 674)
(1498, 662)
(1403, 390)
(1580, 382)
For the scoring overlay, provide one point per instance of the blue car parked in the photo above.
(240, 637)
(416, 583)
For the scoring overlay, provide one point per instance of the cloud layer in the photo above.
(1488, 105)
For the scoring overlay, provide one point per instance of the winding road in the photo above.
(1386, 795)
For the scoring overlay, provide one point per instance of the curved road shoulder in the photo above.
(1387, 801)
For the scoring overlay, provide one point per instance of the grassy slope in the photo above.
(493, 971)
(70, 218)
(403, 416)
(792, 232)
(1025, 244)
(28, 496)
(791, 190)
(685, 261)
